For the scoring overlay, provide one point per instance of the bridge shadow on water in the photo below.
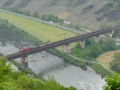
(52, 68)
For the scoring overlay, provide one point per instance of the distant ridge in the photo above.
(89, 13)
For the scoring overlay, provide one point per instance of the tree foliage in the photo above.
(26, 12)
(50, 17)
(8, 2)
(112, 83)
(11, 80)
(95, 51)
(115, 64)
(92, 49)
(110, 44)
(35, 14)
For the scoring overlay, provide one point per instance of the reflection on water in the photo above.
(46, 64)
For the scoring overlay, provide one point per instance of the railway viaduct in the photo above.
(65, 42)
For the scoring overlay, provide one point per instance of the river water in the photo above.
(46, 64)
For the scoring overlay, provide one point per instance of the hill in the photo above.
(89, 13)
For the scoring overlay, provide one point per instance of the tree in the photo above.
(95, 51)
(77, 27)
(14, 9)
(109, 44)
(26, 12)
(35, 14)
(115, 64)
(6, 81)
(112, 83)
(51, 18)
(88, 41)
(43, 17)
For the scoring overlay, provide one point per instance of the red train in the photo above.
(26, 49)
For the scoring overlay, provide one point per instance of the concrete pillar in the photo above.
(82, 43)
(24, 62)
(69, 49)
(66, 48)
(111, 33)
(97, 39)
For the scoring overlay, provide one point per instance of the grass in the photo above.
(100, 70)
(43, 31)
(83, 52)
(106, 57)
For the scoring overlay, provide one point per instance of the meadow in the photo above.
(41, 30)
(107, 57)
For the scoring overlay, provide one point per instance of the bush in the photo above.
(100, 70)
(112, 83)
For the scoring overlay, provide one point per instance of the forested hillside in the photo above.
(89, 13)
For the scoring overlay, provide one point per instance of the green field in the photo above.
(43, 31)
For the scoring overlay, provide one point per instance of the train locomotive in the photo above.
(26, 49)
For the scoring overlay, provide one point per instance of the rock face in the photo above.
(86, 12)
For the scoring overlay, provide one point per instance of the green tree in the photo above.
(88, 41)
(9, 2)
(26, 12)
(95, 51)
(43, 17)
(14, 9)
(51, 18)
(112, 83)
(6, 81)
(109, 44)
(115, 64)
(35, 14)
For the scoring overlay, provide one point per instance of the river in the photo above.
(47, 64)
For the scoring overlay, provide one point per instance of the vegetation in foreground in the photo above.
(27, 70)
(12, 80)
(112, 83)
(16, 80)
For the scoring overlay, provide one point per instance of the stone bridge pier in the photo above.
(67, 49)
(82, 43)
(111, 33)
(24, 61)
(97, 39)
